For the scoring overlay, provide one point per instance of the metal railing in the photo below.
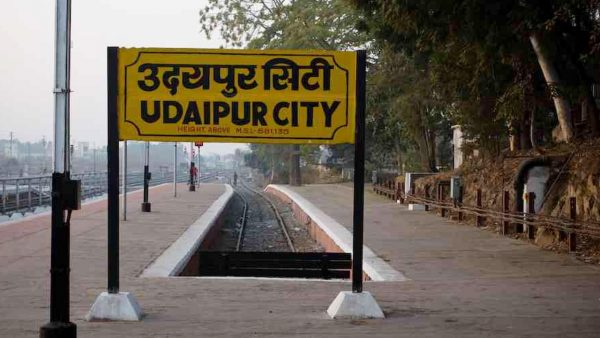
(570, 226)
(24, 194)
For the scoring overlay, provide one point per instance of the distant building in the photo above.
(10, 150)
(82, 149)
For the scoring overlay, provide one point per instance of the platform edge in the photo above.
(373, 266)
(172, 261)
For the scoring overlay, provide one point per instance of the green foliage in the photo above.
(432, 64)
(405, 115)
(479, 58)
(293, 24)
(279, 24)
(270, 160)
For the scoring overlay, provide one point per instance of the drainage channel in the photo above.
(259, 237)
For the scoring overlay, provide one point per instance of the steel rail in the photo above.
(240, 239)
(275, 211)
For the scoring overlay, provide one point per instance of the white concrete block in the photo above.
(350, 305)
(120, 306)
(416, 207)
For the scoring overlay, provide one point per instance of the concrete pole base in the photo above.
(146, 207)
(350, 305)
(58, 330)
(120, 306)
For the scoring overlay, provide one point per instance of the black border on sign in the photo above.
(230, 136)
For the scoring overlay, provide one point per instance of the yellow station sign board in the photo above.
(254, 96)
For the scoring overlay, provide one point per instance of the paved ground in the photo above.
(464, 282)
(470, 282)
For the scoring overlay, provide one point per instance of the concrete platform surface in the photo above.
(464, 282)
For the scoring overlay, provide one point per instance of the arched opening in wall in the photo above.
(532, 176)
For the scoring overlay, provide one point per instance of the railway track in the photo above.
(256, 223)
(264, 247)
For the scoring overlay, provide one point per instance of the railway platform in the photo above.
(460, 281)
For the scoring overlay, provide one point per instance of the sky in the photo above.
(27, 59)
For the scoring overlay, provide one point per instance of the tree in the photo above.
(404, 112)
(561, 35)
(278, 24)
(281, 24)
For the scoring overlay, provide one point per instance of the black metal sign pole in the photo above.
(146, 206)
(359, 174)
(192, 164)
(113, 172)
